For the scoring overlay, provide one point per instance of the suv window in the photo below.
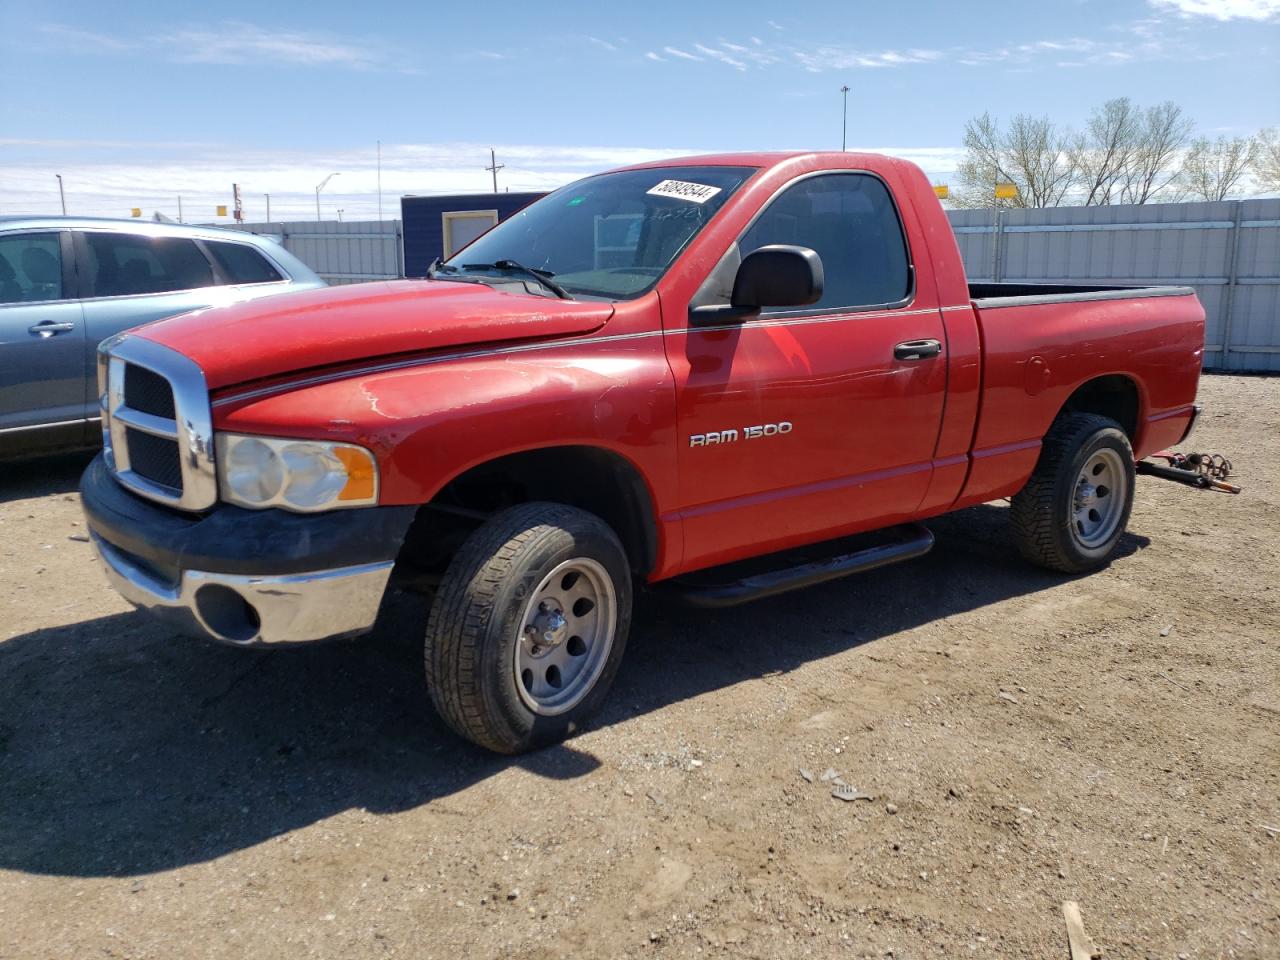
(125, 264)
(30, 268)
(850, 221)
(241, 263)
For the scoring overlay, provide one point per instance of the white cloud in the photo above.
(650, 55)
(1143, 43)
(676, 52)
(720, 55)
(1260, 10)
(106, 179)
(153, 175)
(235, 43)
(230, 42)
(602, 44)
(822, 58)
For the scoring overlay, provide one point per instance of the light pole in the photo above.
(268, 196)
(319, 187)
(61, 196)
(844, 120)
(340, 214)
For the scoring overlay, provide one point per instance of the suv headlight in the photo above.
(300, 475)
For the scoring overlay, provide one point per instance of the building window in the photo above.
(462, 226)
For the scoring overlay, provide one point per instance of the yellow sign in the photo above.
(222, 209)
(942, 190)
(1006, 191)
(135, 212)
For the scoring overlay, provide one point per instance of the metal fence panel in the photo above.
(340, 251)
(1229, 251)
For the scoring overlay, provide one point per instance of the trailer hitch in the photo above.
(1206, 470)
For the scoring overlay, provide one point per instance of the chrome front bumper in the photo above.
(254, 610)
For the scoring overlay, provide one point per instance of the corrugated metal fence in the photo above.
(1229, 251)
(342, 252)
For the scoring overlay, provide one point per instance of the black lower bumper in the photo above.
(233, 540)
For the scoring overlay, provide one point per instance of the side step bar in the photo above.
(904, 543)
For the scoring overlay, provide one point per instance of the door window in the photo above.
(30, 268)
(241, 263)
(850, 221)
(124, 264)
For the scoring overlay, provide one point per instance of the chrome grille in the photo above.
(156, 429)
(155, 458)
(147, 391)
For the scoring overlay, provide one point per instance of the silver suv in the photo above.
(68, 283)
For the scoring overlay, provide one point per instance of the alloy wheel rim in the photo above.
(1098, 499)
(564, 636)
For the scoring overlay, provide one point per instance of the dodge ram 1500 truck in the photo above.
(733, 375)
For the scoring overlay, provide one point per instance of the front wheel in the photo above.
(528, 627)
(1073, 511)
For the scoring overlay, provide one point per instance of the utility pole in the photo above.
(268, 196)
(63, 197)
(844, 121)
(179, 208)
(379, 181)
(494, 166)
(319, 187)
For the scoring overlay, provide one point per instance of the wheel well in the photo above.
(1114, 396)
(593, 479)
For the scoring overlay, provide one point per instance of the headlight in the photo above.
(301, 475)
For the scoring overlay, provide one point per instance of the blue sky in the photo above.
(136, 103)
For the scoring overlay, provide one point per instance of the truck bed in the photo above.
(992, 295)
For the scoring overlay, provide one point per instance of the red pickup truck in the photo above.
(727, 375)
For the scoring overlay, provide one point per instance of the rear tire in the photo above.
(1073, 511)
(528, 627)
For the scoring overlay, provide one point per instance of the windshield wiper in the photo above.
(542, 276)
(438, 266)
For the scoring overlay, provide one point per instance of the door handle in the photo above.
(48, 328)
(917, 350)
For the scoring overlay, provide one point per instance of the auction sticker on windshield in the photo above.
(684, 190)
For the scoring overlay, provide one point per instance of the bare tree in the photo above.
(1266, 161)
(1213, 169)
(1107, 151)
(1153, 170)
(1032, 155)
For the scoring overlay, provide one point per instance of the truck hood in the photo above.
(264, 338)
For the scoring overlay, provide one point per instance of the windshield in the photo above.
(610, 236)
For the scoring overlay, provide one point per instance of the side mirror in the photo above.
(777, 275)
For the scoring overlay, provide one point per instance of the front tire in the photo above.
(1073, 511)
(528, 627)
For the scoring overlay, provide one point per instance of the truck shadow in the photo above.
(125, 750)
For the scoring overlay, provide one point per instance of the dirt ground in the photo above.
(1028, 739)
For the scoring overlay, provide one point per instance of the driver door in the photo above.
(805, 424)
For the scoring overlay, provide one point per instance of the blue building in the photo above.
(441, 226)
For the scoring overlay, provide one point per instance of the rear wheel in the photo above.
(1073, 511)
(528, 627)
